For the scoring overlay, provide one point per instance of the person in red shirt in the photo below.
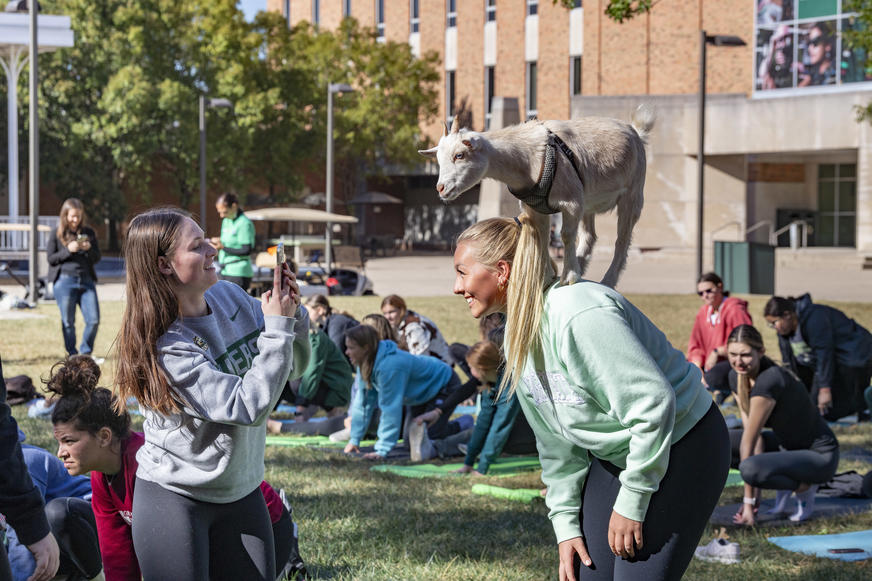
(93, 436)
(717, 317)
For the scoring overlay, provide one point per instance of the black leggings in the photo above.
(787, 469)
(443, 427)
(72, 523)
(176, 537)
(677, 514)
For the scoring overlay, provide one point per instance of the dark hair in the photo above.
(779, 306)
(747, 334)
(228, 199)
(715, 280)
(319, 301)
(89, 407)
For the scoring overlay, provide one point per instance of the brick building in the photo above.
(781, 141)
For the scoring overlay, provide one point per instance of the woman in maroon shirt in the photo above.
(94, 437)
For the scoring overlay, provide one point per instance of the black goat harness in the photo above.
(537, 196)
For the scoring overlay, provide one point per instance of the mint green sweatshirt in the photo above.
(609, 385)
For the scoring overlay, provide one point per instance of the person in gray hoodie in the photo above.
(207, 364)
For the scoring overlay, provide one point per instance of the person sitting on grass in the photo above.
(391, 378)
(498, 428)
(772, 396)
(421, 335)
(334, 323)
(94, 437)
(830, 352)
(717, 316)
(326, 383)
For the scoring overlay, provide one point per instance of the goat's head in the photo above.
(462, 158)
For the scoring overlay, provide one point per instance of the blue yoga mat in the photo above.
(858, 545)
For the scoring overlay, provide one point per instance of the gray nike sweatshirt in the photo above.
(230, 367)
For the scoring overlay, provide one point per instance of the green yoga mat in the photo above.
(316, 441)
(734, 478)
(502, 467)
(525, 495)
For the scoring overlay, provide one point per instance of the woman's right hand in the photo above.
(284, 297)
(349, 448)
(427, 417)
(567, 551)
(745, 516)
(73, 246)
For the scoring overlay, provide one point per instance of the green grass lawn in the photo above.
(359, 525)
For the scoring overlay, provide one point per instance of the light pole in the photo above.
(206, 102)
(33, 162)
(716, 40)
(328, 235)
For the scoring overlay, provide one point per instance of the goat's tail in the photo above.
(643, 120)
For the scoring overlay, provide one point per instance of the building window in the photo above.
(287, 12)
(316, 12)
(490, 11)
(576, 4)
(449, 94)
(380, 18)
(414, 16)
(489, 83)
(836, 223)
(532, 7)
(575, 75)
(451, 13)
(531, 89)
(346, 8)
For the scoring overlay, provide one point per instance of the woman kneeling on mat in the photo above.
(628, 437)
(391, 378)
(774, 397)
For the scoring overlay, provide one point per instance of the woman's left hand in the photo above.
(428, 417)
(745, 516)
(625, 535)
(373, 456)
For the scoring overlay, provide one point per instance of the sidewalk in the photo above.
(654, 273)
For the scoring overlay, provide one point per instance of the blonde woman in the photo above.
(772, 396)
(634, 452)
(207, 364)
(72, 253)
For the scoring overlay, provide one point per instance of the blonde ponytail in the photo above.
(519, 242)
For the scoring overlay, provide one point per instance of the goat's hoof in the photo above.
(569, 277)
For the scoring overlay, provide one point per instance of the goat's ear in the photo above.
(455, 126)
(429, 152)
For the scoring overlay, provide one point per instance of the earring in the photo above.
(501, 286)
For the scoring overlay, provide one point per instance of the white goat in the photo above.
(607, 172)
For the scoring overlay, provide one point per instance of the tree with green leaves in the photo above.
(618, 10)
(860, 36)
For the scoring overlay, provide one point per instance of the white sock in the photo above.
(781, 498)
(804, 504)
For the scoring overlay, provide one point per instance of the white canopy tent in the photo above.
(299, 215)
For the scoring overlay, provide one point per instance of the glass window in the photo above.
(490, 10)
(847, 196)
(316, 12)
(346, 8)
(531, 90)
(816, 8)
(414, 16)
(380, 18)
(826, 170)
(576, 4)
(449, 94)
(827, 197)
(451, 13)
(532, 7)
(836, 222)
(575, 76)
(489, 83)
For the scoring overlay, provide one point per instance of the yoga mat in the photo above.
(314, 441)
(525, 495)
(502, 467)
(823, 507)
(734, 478)
(466, 409)
(821, 545)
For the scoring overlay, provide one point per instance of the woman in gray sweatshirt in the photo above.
(207, 364)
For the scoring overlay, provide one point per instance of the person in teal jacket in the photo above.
(634, 451)
(236, 241)
(390, 379)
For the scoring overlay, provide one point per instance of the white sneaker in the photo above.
(420, 446)
(463, 448)
(342, 435)
(719, 551)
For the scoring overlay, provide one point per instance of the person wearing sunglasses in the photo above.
(717, 317)
(820, 50)
(829, 351)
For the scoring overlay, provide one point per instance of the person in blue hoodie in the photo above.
(392, 378)
(830, 352)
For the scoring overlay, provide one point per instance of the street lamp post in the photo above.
(206, 102)
(328, 235)
(33, 162)
(716, 40)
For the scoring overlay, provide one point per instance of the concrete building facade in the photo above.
(781, 140)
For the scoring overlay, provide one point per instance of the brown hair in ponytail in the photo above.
(89, 407)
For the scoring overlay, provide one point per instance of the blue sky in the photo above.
(251, 7)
